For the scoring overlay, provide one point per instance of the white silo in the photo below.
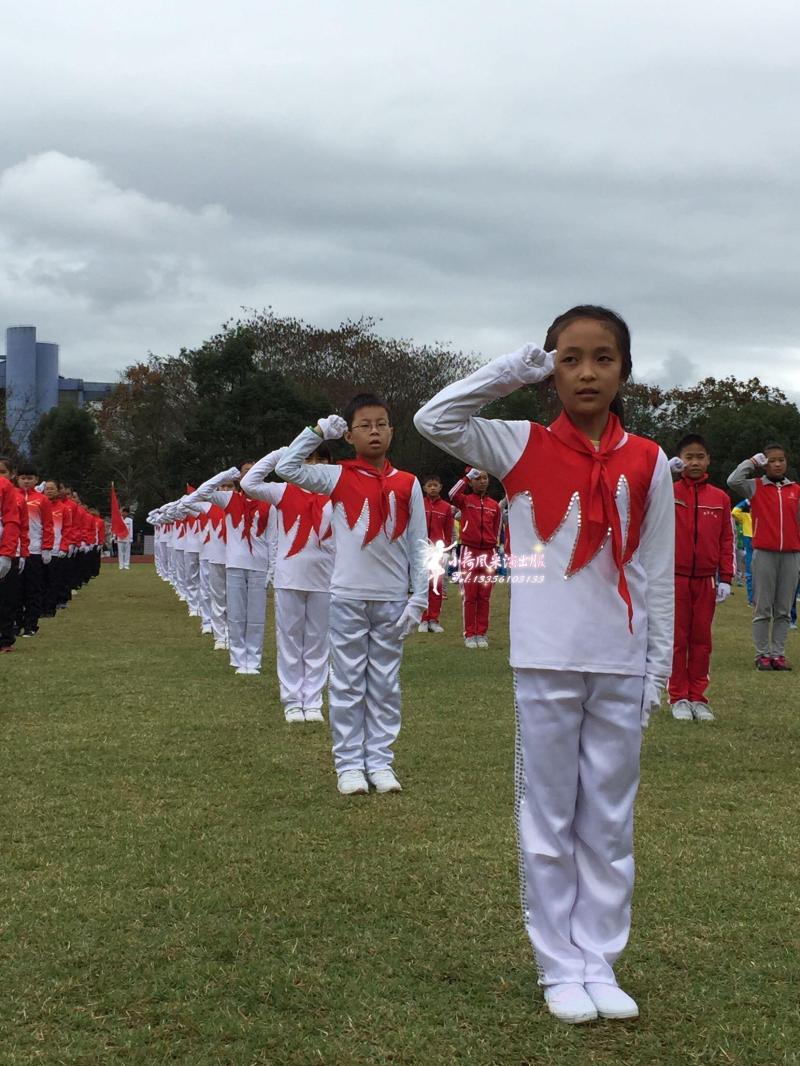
(21, 402)
(46, 377)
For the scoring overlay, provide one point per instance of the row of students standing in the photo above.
(50, 547)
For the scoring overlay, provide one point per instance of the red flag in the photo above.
(118, 527)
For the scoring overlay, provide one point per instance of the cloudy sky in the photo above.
(463, 171)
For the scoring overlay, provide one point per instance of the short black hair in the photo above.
(431, 477)
(8, 462)
(773, 446)
(125, 510)
(26, 469)
(692, 438)
(360, 400)
(323, 451)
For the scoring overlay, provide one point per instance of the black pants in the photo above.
(9, 595)
(31, 585)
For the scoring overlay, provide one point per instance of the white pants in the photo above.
(246, 599)
(205, 594)
(301, 634)
(124, 554)
(169, 556)
(364, 684)
(180, 583)
(577, 772)
(217, 594)
(191, 581)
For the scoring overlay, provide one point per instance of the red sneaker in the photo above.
(763, 662)
(778, 662)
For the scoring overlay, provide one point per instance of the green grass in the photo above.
(181, 882)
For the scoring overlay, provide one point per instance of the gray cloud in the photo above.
(461, 176)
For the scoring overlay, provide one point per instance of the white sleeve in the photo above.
(657, 556)
(316, 477)
(742, 481)
(448, 420)
(272, 543)
(254, 485)
(209, 488)
(417, 543)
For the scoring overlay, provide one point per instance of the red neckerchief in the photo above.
(297, 503)
(377, 501)
(600, 508)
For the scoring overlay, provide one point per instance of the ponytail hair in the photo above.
(618, 326)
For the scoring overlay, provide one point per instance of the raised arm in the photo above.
(449, 419)
(209, 489)
(253, 483)
(743, 479)
(316, 477)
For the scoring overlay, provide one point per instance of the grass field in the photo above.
(181, 882)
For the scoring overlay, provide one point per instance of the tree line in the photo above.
(247, 389)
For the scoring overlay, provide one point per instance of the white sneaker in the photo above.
(241, 669)
(434, 627)
(314, 714)
(294, 714)
(220, 645)
(611, 1001)
(482, 642)
(384, 781)
(702, 712)
(424, 627)
(682, 710)
(570, 1003)
(470, 642)
(352, 782)
(205, 629)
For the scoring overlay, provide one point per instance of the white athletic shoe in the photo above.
(294, 714)
(384, 781)
(702, 712)
(570, 1003)
(470, 642)
(611, 1001)
(434, 627)
(352, 783)
(682, 710)
(314, 714)
(220, 645)
(241, 669)
(424, 627)
(205, 629)
(482, 642)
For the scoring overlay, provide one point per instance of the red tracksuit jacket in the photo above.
(775, 508)
(480, 517)
(439, 516)
(40, 521)
(9, 519)
(704, 541)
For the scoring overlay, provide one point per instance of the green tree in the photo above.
(66, 444)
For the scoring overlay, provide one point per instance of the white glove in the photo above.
(5, 566)
(333, 427)
(531, 364)
(759, 460)
(723, 591)
(408, 620)
(227, 475)
(70, 551)
(46, 557)
(676, 465)
(21, 566)
(472, 473)
(651, 700)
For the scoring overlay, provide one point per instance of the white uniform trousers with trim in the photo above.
(364, 684)
(124, 554)
(301, 635)
(180, 581)
(578, 743)
(217, 595)
(191, 580)
(246, 598)
(205, 595)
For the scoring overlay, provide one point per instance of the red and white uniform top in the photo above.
(592, 530)
(248, 526)
(23, 541)
(440, 520)
(774, 506)
(9, 519)
(378, 522)
(40, 521)
(304, 552)
(704, 542)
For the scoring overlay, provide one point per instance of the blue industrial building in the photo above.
(32, 385)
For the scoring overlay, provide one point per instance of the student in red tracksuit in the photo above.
(705, 562)
(9, 564)
(12, 586)
(40, 532)
(440, 520)
(480, 532)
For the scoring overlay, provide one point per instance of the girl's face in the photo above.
(776, 464)
(588, 367)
